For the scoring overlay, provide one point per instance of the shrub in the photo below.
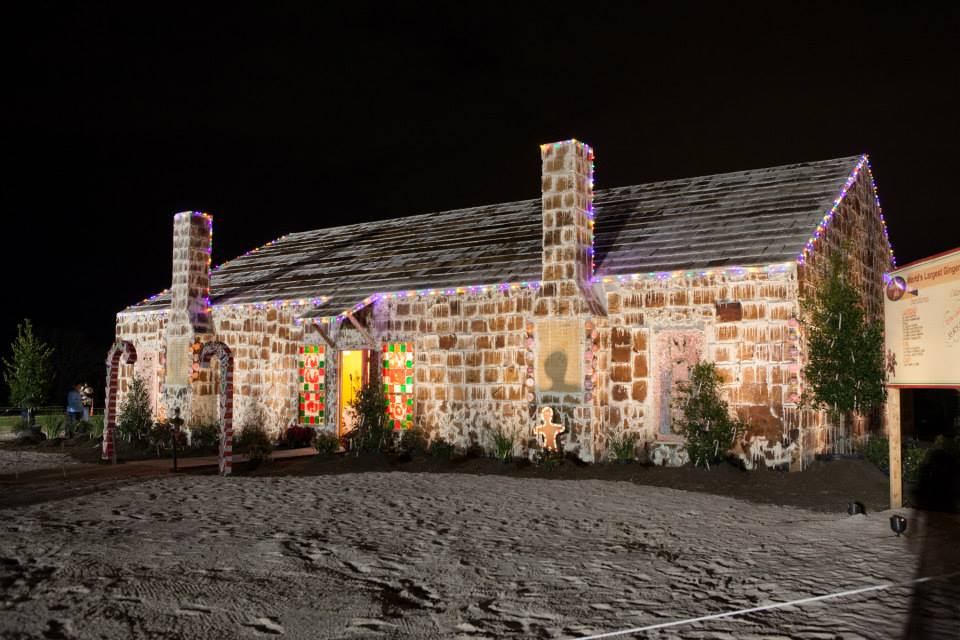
(950, 445)
(412, 441)
(298, 436)
(912, 456)
(549, 459)
(877, 451)
(160, 437)
(623, 447)
(440, 448)
(325, 443)
(92, 427)
(136, 416)
(371, 432)
(503, 444)
(205, 435)
(706, 424)
(52, 426)
(255, 441)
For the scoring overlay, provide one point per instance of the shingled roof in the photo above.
(744, 218)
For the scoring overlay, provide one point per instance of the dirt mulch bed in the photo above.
(826, 486)
(84, 449)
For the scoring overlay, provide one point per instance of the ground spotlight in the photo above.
(898, 524)
(853, 508)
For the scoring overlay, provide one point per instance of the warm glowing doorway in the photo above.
(354, 373)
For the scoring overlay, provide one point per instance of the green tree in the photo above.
(136, 415)
(705, 419)
(27, 373)
(844, 347)
(371, 431)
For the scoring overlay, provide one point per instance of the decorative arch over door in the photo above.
(225, 358)
(121, 351)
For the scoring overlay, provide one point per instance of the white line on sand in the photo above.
(776, 605)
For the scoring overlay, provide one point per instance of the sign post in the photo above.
(893, 435)
(921, 309)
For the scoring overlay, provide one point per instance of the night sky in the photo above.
(296, 116)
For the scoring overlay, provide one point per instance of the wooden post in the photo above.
(359, 327)
(324, 335)
(893, 435)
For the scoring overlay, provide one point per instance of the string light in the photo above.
(883, 222)
(214, 269)
(825, 222)
(262, 304)
(249, 253)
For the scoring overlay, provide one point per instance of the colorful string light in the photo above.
(883, 222)
(213, 270)
(864, 161)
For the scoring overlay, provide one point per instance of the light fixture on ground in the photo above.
(898, 524)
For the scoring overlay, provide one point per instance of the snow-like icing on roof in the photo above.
(754, 217)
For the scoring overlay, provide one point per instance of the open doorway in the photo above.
(354, 373)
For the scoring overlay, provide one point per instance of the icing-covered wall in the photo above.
(605, 356)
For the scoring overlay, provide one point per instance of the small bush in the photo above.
(412, 441)
(877, 451)
(371, 433)
(136, 416)
(52, 426)
(205, 436)
(326, 443)
(160, 437)
(96, 426)
(255, 441)
(623, 447)
(549, 459)
(503, 443)
(706, 424)
(912, 456)
(440, 448)
(82, 428)
(298, 436)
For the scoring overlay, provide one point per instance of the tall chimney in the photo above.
(567, 187)
(190, 288)
(189, 305)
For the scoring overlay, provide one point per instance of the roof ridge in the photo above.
(645, 229)
(411, 217)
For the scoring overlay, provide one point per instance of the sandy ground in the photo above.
(440, 556)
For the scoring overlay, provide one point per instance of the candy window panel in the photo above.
(398, 358)
(312, 372)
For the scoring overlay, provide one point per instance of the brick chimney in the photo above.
(190, 288)
(567, 187)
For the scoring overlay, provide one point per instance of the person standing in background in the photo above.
(74, 408)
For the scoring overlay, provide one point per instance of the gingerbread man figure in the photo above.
(549, 429)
